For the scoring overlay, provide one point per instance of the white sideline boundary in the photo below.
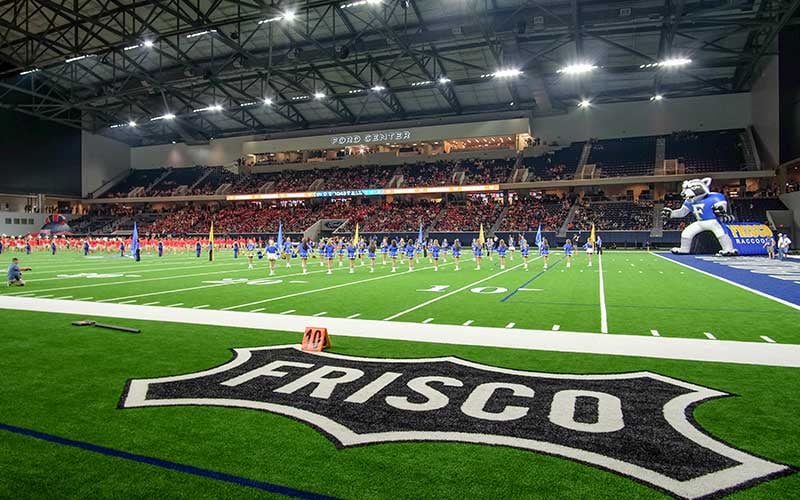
(722, 351)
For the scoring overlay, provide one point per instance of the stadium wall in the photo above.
(766, 113)
(102, 159)
(632, 119)
(39, 156)
(218, 152)
(20, 223)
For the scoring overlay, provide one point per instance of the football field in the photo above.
(637, 377)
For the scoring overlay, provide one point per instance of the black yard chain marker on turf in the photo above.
(638, 424)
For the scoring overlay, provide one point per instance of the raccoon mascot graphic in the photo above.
(709, 209)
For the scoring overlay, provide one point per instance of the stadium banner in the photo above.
(748, 237)
(364, 192)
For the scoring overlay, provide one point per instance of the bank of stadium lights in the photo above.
(246, 104)
(357, 91)
(29, 71)
(213, 107)
(657, 97)
(79, 58)
(577, 69)
(420, 84)
(286, 16)
(166, 116)
(132, 124)
(503, 73)
(443, 80)
(201, 33)
(378, 88)
(267, 101)
(585, 103)
(319, 95)
(359, 3)
(674, 62)
(146, 44)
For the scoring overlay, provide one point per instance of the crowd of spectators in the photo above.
(401, 216)
(488, 171)
(526, 215)
(469, 216)
(614, 216)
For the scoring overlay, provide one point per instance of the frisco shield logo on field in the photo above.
(636, 424)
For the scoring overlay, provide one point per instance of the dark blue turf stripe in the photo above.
(165, 464)
(539, 274)
(782, 289)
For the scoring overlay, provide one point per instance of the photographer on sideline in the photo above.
(15, 273)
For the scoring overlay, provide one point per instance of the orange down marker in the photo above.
(315, 339)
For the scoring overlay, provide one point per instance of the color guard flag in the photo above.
(419, 237)
(538, 240)
(592, 236)
(134, 240)
(279, 241)
(481, 238)
(211, 243)
(355, 235)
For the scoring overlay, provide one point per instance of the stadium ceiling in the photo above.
(100, 64)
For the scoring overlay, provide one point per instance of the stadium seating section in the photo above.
(704, 152)
(624, 157)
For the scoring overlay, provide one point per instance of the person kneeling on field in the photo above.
(15, 273)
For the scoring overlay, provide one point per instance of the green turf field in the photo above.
(641, 292)
(68, 383)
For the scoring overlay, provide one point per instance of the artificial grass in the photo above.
(643, 292)
(67, 381)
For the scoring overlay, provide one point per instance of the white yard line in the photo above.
(290, 311)
(468, 322)
(426, 321)
(353, 316)
(127, 301)
(151, 303)
(440, 297)
(710, 335)
(200, 307)
(323, 313)
(655, 333)
(316, 290)
(767, 339)
(603, 312)
(44, 296)
(89, 268)
(258, 310)
(556, 328)
(82, 298)
(743, 287)
(64, 297)
(511, 325)
(176, 305)
(753, 353)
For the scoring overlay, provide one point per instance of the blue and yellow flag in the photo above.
(134, 240)
(538, 240)
(419, 237)
(355, 235)
(592, 237)
(211, 243)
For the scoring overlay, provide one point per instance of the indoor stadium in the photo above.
(400, 249)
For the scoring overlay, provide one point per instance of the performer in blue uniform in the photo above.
(303, 250)
(544, 251)
(122, 248)
(371, 250)
(524, 250)
(568, 252)
(85, 248)
(477, 252)
(329, 251)
(457, 253)
(384, 250)
(198, 248)
(501, 253)
(236, 249)
(273, 254)
(410, 249)
(435, 249)
(393, 254)
(160, 248)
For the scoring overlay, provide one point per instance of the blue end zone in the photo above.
(780, 279)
